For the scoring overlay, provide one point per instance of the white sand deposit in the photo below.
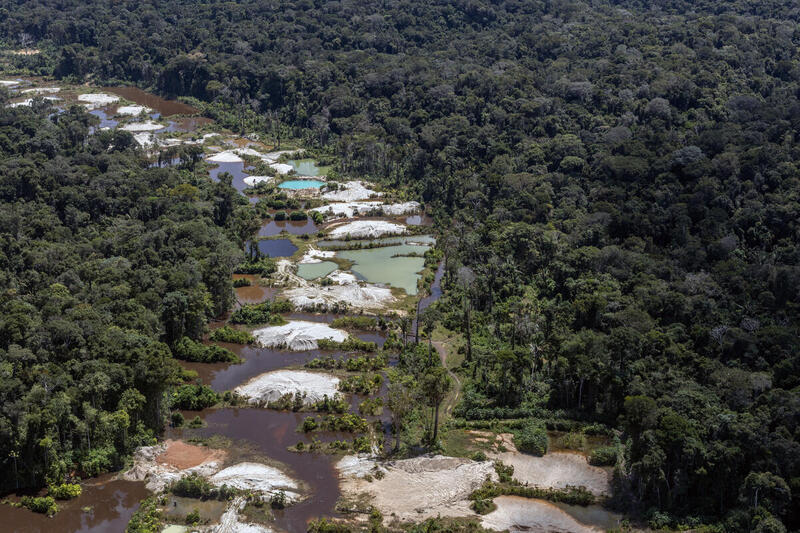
(133, 110)
(98, 99)
(28, 101)
(271, 386)
(249, 152)
(365, 297)
(517, 514)
(252, 181)
(418, 488)
(297, 335)
(341, 277)
(313, 255)
(227, 156)
(347, 291)
(555, 469)
(366, 229)
(143, 126)
(145, 139)
(257, 477)
(351, 191)
(281, 168)
(352, 209)
(8, 83)
(42, 90)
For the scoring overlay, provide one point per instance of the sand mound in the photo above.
(297, 335)
(536, 516)
(351, 192)
(257, 477)
(419, 488)
(340, 277)
(352, 209)
(28, 101)
(98, 99)
(225, 157)
(281, 168)
(555, 469)
(42, 90)
(271, 386)
(145, 139)
(8, 83)
(143, 126)
(366, 229)
(367, 297)
(133, 110)
(252, 181)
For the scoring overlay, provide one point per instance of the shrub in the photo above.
(193, 486)
(263, 313)
(40, 504)
(532, 438)
(280, 215)
(352, 344)
(241, 282)
(193, 397)
(177, 419)
(263, 266)
(317, 217)
(147, 519)
(197, 422)
(479, 456)
(483, 506)
(605, 456)
(309, 424)
(278, 500)
(355, 322)
(229, 334)
(324, 525)
(189, 350)
(193, 518)
(298, 215)
(65, 491)
(573, 441)
(504, 472)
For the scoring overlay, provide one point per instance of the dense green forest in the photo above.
(104, 262)
(619, 182)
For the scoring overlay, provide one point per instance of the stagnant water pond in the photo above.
(391, 265)
(307, 167)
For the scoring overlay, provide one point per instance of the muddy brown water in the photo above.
(226, 376)
(294, 227)
(156, 103)
(110, 504)
(272, 432)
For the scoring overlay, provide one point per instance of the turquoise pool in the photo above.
(301, 184)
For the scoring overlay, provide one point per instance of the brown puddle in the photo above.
(112, 502)
(156, 103)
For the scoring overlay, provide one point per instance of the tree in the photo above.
(434, 386)
(400, 400)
